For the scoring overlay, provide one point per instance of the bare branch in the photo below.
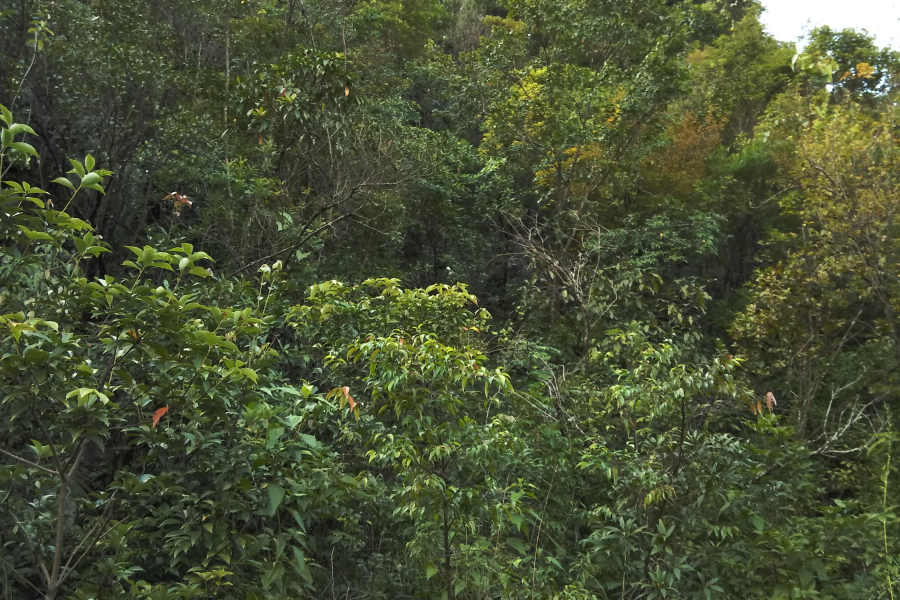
(29, 463)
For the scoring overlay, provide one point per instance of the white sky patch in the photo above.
(788, 20)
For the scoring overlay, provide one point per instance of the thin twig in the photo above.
(104, 519)
(18, 577)
(29, 463)
(537, 540)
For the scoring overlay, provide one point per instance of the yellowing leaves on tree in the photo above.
(864, 71)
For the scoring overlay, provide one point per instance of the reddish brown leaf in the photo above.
(352, 402)
(158, 414)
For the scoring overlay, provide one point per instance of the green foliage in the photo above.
(851, 59)
(511, 299)
(143, 416)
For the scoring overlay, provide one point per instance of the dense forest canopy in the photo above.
(459, 299)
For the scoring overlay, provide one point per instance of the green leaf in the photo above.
(459, 586)
(249, 374)
(300, 565)
(298, 519)
(17, 128)
(91, 179)
(276, 495)
(35, 235)
(310, 441)
(430, 570)
(64, 182)
(272, 436)
(257, 545)
(23, 147)
(517, 544)
(77, 167)
(758, 522)
(35, 355)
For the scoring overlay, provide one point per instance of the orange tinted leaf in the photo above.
(158, 414)
(346, 90)
(353, 403)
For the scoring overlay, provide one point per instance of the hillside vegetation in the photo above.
(445, 299)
